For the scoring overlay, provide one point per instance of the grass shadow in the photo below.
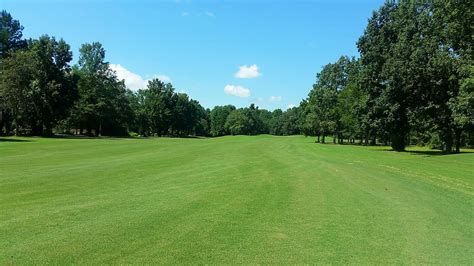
(428, 153)
(13, 140)
(436, 153)
(386, 148)
(68, 136)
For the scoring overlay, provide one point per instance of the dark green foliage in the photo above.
(288, 122)
(10, 41)
(413, 82)
(11, 33)
(331, 103)
(159, 110)
(253, 121)
(218, 119)
(36, 85)
(103, 106)
(17, 73)
(238, 123)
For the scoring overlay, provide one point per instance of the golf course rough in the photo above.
(242, 199)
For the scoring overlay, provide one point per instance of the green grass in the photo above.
(232, 199)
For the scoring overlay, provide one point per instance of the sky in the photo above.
(218, 52)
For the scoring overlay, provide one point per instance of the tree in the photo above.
(159, 103)
(275, 122)
(462, 106)
(52, 82)
(185, 115)
(42, 82)
(202, 127)
(265, 117)
(386, 108)
(255, 124)
(351, 103)
(218, 119)
(15, 88)
(103, 104)
(11, 33)
(238, 123)
(450, 25)
(324, 100)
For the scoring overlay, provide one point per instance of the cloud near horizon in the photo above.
(198, 14)
(237, 90)
(248, 72)
(134, 81)
(275, 98)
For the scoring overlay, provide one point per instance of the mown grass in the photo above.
(239, 199)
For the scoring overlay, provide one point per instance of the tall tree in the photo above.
(102, 97)
(16, 91)
(462, 107)
(324, 98)
(11, 33)
(386, 102)
(238, 123)
(47, 86)
(218, 119)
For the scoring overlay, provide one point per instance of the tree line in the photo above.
(412, 84)
(41, 93)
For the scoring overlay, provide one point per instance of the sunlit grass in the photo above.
(238, 199)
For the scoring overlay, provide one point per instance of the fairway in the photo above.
(245, 199)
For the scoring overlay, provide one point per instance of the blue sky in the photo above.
(218, 52)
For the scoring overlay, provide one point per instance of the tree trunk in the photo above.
(8, 122)
(458, 140)
(48, 132)
(318, 139)
(3, 122)
(398, 141)
(373, 142)
(36, 130)
(448, 141)
(324, 136)
(17, 129)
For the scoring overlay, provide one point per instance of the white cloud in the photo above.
(289, 106)
(209, 14)
(198, 13)
(275, 99)
(182, 1)
(238, 91)
(134, 81)
(247, 72)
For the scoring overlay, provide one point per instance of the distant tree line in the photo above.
(41, 93)
(412, 84)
